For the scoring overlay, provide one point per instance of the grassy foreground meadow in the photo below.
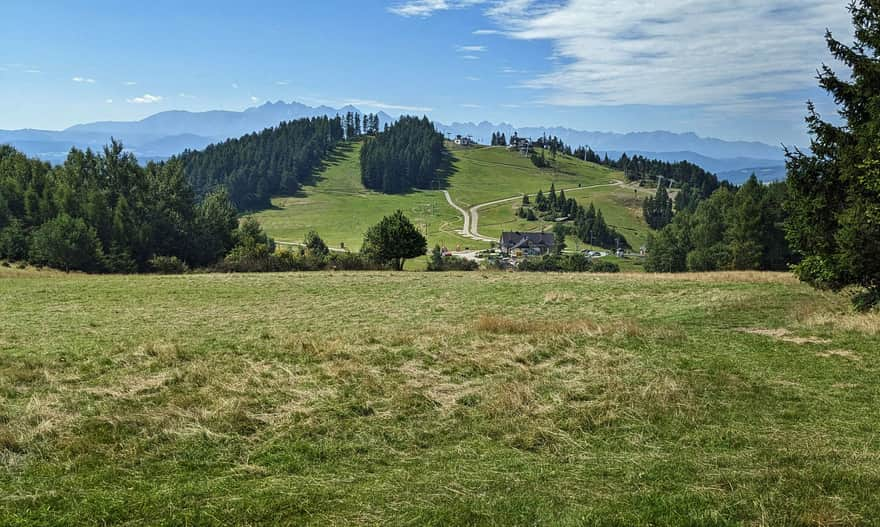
(435, 399)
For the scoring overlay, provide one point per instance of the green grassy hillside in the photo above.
(340, 209)
(435, 399)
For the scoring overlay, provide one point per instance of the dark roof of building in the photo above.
(520, 239)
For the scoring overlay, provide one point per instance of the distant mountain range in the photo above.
(165, 134)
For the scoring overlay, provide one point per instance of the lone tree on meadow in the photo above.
(393, 240)
(834, 200)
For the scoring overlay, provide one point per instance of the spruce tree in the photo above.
(834, 202)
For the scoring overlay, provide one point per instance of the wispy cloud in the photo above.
(470, 57)
(480, 32)
(254, 99)
(83, 80)
(145, 99)
(282, 83)
(130, 83)
(425, 8)
(471, 49)
(673, 52)
(472, 79)
(183, 95)
(470, 105)
(109, 101)
(33, 71)
(387, 106)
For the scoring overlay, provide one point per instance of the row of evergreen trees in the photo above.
(407, 154)
(106, 213)
(588, 224)
(740, 229)
(357, 125)
(258, 166)
(499, 139)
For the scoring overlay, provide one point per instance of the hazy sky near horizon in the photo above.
(740, 69)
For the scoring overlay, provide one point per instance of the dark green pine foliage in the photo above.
(658, 210)
(587, 224)
(258, 166)
(834, 201)
(739, 229)
(106, 213)
(407, 155)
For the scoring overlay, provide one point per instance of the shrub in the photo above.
(315, 245)
(604, 266)
(567, 263)
(438, 262)
(352, 262)
(168, 265)
(67, 243)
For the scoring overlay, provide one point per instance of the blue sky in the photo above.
(740, 69)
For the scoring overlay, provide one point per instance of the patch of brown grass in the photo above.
(867, 323)
(846, 354)
(753, 277)
(784, 335)
(556, 297)
(499, 325)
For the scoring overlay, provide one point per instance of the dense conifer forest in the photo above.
(258, 166)
(406, 155)
(104, 212)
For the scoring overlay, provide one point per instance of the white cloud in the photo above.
(470, 57)
(254, 99)
(425, 8)
(33, 71)
(386, 106)
(83, 80)
(472, 106)
(471, 49)
(472, 79)
(130, 83)
(662, 52)
(183, 95)
(674, 52)
(145, 99)
(282, 83)
(109, 101)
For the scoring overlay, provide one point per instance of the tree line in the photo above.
(357, 125)
(408, 154)
(257, 166)
(741, 229)
(588, 224)
(103, 212)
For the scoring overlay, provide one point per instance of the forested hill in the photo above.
(258, 166)
(407, 154)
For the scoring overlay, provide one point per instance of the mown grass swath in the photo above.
(460, 399)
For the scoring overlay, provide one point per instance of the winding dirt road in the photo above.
(472, 216)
